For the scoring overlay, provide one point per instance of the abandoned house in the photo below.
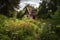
(30, 12)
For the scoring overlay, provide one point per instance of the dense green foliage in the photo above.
(8, 7)
(17, 26)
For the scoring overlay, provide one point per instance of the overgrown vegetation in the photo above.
(18, 26)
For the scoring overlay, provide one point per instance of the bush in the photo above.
(25, 29)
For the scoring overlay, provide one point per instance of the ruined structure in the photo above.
(30, 11)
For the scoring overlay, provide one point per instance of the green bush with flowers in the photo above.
(26, 29)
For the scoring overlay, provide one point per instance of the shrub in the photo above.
(26, 29)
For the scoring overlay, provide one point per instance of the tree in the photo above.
(47, 9)
(9, 7)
